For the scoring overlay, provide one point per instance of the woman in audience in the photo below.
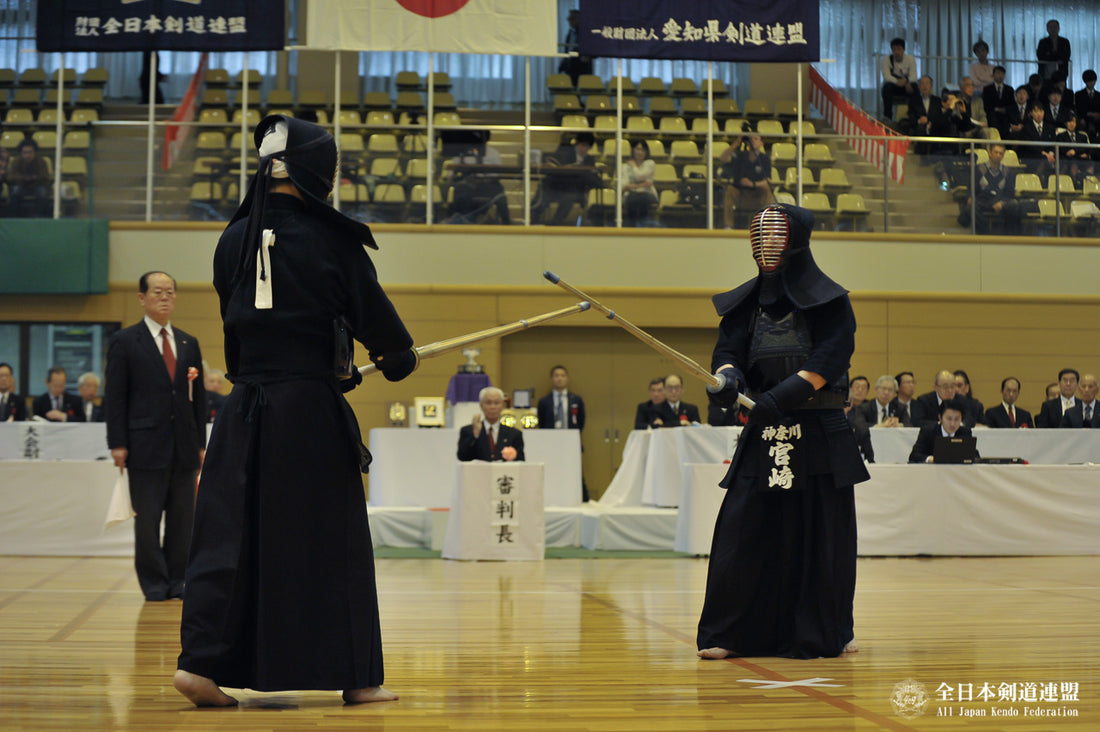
(639, 193)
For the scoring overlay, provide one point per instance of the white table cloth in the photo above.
(497, 512)
(416, 467)
(944, 510)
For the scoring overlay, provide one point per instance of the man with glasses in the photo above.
(156, 429)
(926, 407)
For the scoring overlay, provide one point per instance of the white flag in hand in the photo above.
(120, 510)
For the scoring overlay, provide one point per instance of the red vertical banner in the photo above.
(175, 135)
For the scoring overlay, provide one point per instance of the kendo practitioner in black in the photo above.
(783, 560)
(280, 583)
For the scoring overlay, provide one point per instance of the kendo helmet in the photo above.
(777, 233)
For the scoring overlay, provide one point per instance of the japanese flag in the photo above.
(518, 27)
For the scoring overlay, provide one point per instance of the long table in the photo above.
(653, 462)
(954, 510)
(416, 467)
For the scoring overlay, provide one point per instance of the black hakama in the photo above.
(781, 579)
(280, 587)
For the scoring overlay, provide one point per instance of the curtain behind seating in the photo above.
(857, 33)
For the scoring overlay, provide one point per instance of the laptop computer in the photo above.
(954, 450)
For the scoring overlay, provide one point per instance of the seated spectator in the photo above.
(882, 410)
(1017, 114)
(1085, 413)
(676, 413)
(948, 425)
(13, 407)
(1040, 158)
(1076, 160)
(926, 407)
(899, 70)
(1055, 112)
(925, 109)
(485, 438)
(747, 166)
(649, 413)
(981, 71)
(88, 387)
(570, 184)
(1035, 89)
(477, 193)
(996, 204)
(974, 411)
(1052, 391)
(903, 402)
(971, 111)
(1087, 104)
(1052, 411)
(1007, 415)
(57, 405)
(858, 390)
(639, 191)
(997, 97)
(214, 380)
(29, 181)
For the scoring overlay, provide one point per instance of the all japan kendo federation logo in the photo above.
(909, 698)
(432, 8)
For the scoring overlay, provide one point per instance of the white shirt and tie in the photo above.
(883, 411)
(161, 334)
(561, 410)
(1010, 410)
(1087, 411)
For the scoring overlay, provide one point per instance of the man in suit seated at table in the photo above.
(88, 387)
(486, 438)
(949, 425)
(1050, 414)
(567, 187)
(57, 405)
(649, 413)
(1007, 414)
(1085, 413)
(926, 407)
(903, 402)
(13, 407)
(882, 410)
(676, 413)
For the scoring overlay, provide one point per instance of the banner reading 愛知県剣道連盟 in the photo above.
(160, 25)
(709, 30)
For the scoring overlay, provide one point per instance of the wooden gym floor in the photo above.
(580, 644)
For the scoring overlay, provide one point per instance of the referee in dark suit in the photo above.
(156, 428)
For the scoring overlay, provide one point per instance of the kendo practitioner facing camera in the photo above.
(280, 583)
(783, 560)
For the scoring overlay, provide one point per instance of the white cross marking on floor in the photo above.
(773, 684)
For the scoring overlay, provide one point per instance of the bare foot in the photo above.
(715, 653)
(852, 647)
(369, 694)
(201, 691)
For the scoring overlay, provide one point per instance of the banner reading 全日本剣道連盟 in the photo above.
(518, 27)
(160, 25)
(710, 30)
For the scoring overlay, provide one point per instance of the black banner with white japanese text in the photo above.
(160, 25)
(708, 30)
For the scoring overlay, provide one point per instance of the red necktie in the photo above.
(169, 357)
(492, 442)
(1012, 415)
